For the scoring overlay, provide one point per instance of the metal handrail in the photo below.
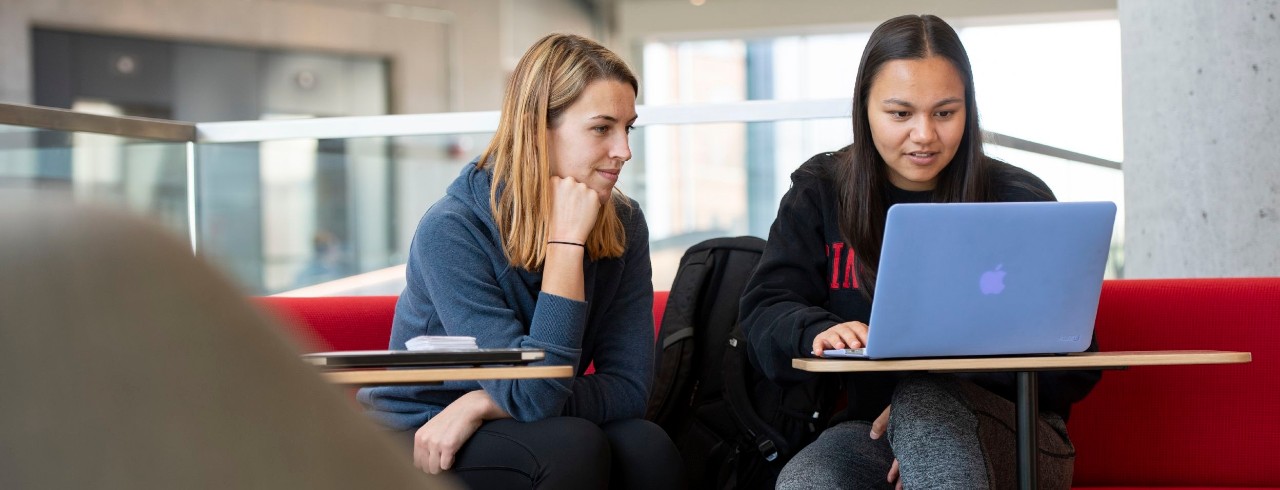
(648, 115)
(65, 120)
(487, 121)
(1017, 143)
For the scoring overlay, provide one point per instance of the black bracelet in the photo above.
(567, 243)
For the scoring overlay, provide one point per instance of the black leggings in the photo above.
(568, 453)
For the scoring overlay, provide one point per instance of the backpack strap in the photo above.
(764, 438)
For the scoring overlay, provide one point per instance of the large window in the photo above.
(1056, 84)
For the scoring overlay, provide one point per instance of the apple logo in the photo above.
(992, 281)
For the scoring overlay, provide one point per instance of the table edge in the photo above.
(1084, 360)
(435, 375)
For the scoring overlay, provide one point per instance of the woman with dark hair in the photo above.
(915, 139)
(532, 246)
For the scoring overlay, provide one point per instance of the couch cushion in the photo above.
(659, 307)
(1213, 425)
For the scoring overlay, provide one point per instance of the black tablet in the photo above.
(422, 358)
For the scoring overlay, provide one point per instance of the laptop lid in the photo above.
(969, 279)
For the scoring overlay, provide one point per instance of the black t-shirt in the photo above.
(806, 283)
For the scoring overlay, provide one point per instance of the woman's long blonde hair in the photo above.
(549, 78)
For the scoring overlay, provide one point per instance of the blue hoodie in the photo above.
(460, 283)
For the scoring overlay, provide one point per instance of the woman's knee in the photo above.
(560, 452)
(924, 386)
(577, 454)
(844, 456)
(929, 394)
(643, 455)
(927, 401)
(637, 432)
(586, 441)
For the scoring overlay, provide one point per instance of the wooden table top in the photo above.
(1083, 360)
(436, 375)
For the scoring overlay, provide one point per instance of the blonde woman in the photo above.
(533, 247)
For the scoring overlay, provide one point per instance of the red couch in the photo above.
(1148, 427)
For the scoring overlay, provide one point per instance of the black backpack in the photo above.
(734, 427)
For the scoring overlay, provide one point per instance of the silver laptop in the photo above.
(975, 279)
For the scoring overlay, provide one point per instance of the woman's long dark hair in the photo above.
(861, 174)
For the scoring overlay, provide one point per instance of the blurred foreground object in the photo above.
(126, 363)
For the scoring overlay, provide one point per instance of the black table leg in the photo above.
(1028, 407)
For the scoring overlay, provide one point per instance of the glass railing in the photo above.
(328, 206)
(290, 213)
(133, 163)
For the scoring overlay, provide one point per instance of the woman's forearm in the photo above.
(562, 271)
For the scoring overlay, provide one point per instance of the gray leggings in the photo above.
(946, 433)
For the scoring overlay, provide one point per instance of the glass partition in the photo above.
(329, 206)
(144, 176)
(292, 213)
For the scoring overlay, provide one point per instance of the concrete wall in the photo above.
(446, 55)
(1202, 179)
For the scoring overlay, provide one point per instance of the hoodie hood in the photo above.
(472, 189)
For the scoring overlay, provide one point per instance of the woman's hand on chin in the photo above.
(574, 209)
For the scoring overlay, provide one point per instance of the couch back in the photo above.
(356, 322)
(336, 322)
(1212, 425)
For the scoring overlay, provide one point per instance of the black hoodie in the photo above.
(805, 283)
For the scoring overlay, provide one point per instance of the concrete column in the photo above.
(1201, 166)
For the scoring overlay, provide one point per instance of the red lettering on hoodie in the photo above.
(845, 277)
(833, 251)
(850, 271)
